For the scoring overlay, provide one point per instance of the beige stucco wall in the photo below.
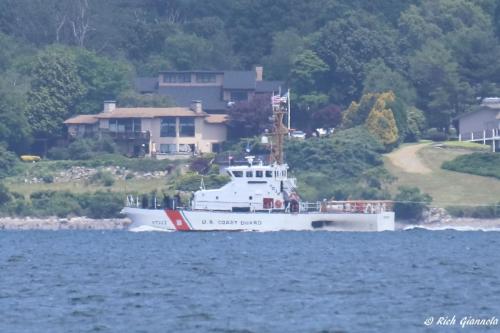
(205, 134)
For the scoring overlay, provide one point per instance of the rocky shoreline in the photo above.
(55, 223)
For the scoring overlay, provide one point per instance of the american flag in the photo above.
(277, 99)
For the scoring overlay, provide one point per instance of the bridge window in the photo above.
(269, 174)
(259, 174)
(238, 174)
(249, 174)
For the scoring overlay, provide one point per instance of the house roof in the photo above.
(268, 86)
(216, 118)
(146, 84)
(477, 109)
(82, 119)
(143, 112)
(210, 96)
(239, 80)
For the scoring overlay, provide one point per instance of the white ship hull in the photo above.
(197, 220)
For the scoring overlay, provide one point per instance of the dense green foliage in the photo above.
(8, 162)
(63, 204)
(479, 212)
(346, 165)
(482, 164)
(410, 203)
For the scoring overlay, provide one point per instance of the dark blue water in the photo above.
(77, 281)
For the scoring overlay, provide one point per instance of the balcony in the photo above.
(127, 135)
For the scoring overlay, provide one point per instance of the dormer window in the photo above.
(269, 174)
(259, 174)
(238, 174)
(249, 174)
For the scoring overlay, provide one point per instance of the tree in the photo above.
(307, 72)
(131, 98)
(381, 122)
(416, 124)
(357, 113)
(14, 128)
(286, 46)
(8, 162)
(410, 203)
(347, 44)
(55, 91)
(249, 118)
(101, 77)
(380, 78)
(327, 117)
(435, 75)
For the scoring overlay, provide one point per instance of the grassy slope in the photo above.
(17, 184)
(124, 186)
(447, 187)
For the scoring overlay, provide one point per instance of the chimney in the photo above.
(196, 106)
(259, 71)
(109, 106)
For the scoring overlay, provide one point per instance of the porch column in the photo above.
(484, 137)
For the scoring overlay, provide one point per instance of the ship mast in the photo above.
(279, 130)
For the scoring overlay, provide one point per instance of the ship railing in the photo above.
(358, 206)
(309, 206)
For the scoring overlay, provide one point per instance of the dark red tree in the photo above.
(250, 118)
(328, 117)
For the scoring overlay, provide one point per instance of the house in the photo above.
(154, 132)
(216, 89)
(481, 124)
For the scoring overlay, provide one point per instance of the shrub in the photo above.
(482, 164)
(48, 179)
(100, 205)
(129, 176)
(54, 203)
(103, 177)
(5, 195)
(435, 135)
(200, 165)
(9, 163)
(479, 212)
(410, 203)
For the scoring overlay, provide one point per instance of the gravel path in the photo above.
(406, 158)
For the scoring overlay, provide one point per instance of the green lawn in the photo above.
(123, 186)
(446, 187)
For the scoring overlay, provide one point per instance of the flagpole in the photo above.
(288, 100)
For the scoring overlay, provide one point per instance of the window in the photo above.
(205, 77)
(168, 148)
(125, 125)
(168, 127)
(239, 95)
(259, 174)
(269, 174)
(186, 127)
(177, 77)
(249, 174)
(238, 174)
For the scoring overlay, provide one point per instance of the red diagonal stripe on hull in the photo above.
(177, 220)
